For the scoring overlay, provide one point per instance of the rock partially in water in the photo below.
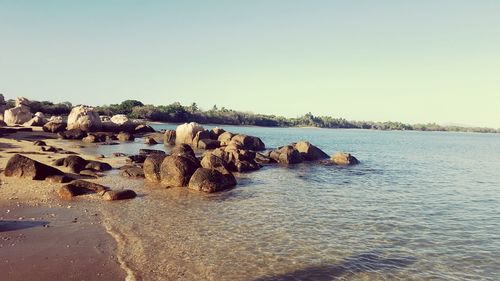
(216, 132)
(132, 171)
(125, 136)
(90, 173)
(186, 132)
(344, 158)
(309, 152)
(208, 144)
(39, 143)
(89, 186)
(150, 141)
(137, 158)
(98, 166)
(152, 167)
(145, 151)
(249, 142)
(183, 150)
(210, 180)
(142, 129)
(24, 167)
(177, 170)
(286, 155)
(113, 195)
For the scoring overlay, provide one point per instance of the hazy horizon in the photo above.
(412, 62)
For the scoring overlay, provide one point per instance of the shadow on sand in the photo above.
(365, 262)
(19, 225)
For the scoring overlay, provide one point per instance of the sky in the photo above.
(409, 61)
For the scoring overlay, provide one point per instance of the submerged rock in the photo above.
(309, 152)
(24, 167)
(344, 158)
(210, 180)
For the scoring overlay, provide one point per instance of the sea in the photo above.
(419, 206)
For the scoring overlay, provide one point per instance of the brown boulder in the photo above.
(183, 150)
(216, 132)
(249, 142)
(24, 167)
(152, 165)
(208, 144)
(54, 127)
(177, 170)
(98, 166)
(209, 180)
(89, 186)
(286, 155)
(142, 129)
(125, 136)
(132, 171)
(73, 134)
(150, 141)
(225, 138)
(113, 195)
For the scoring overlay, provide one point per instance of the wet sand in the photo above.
(43, 237)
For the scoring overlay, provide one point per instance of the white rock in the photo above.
(84, 118)
(17, 115)
(186, 132)
(22, 101)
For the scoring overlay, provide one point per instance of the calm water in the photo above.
(420, 206)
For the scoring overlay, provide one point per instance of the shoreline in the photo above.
(42, 236)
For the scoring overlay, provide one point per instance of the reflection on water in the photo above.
(419, 206)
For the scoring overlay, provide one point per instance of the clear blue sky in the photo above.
(410, 61)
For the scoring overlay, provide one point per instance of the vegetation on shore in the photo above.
(178, 113)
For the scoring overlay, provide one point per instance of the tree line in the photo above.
(178, 113)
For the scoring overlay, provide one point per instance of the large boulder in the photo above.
(208, 180)
(183, 150)
(214, 162)
(309, 152)
(249, 142)
(177, 170)
(54, 127)
(201, 135)
(143, 128)
(84, 118)
(17, 115)
(24, 167)
(152, 166)
(22, 101)
(208, 144)
(3, 106)
(216, 132)
(344, 158)
(186, 132)
(225, 138)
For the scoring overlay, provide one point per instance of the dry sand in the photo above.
(43, 237)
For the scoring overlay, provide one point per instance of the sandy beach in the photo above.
(43, 237)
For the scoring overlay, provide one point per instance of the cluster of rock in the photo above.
(20, 114)
(24, 167)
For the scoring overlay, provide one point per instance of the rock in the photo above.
(249, 142)
(286, 155)
(59, 162)
(84, 118)
(119, 154)
(208, 144)
(177, 170)
(68, 191)
(56, 119)
(24, 167)
(225, 138)
(40, 114)
(22, 101)
(209, 181)
(39, 143)
(54, 127)
(124, 136)
(2, 123)
(98, 166)
(142, 129)
(246, 166)
(144, 151)
(17, 115)
(123, 122)
(263, 159)
(89, 173)
(138, 158)
(152, 166)
(183, 150)
(59, 179)
(201, 135)
(75, 163)
(344, 158)
(309, 152)
(113, 195)
(150, 141)
(216, 132)
(49, 148)
(169, 137)
(186, 132)
(108, 126)
(90, 139)
(35, 122)
(72, 134)
(213, 162)
(89, 186)
(132, 171)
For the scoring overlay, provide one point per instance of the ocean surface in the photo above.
(420, 206)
